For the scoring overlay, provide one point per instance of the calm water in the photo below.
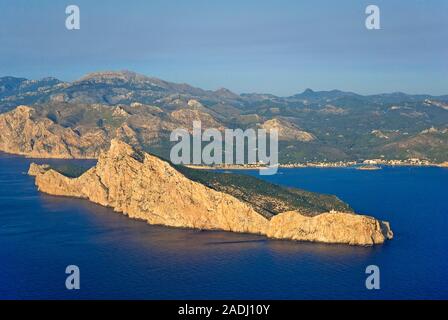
(120, 258)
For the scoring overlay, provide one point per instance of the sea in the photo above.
(121, 258)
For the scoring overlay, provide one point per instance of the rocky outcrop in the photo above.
(144, 187)
(39, 137)
(331, 227)
(67, 131)
(36, 169)
(287, 130)
(184, 118)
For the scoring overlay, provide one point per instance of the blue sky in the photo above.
(279, 47)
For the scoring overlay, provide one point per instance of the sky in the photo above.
(280, 47)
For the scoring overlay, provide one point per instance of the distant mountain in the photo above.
(128, 79)
(314, 125)
(125, 87)
(314, 96)
(14, 91)
(9, 85)
(122, 87)
(287, 130)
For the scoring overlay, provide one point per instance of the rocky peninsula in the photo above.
(145, 187)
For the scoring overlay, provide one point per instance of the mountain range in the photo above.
(79, 119)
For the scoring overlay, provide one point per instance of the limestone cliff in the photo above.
(287, 130)
(26, 134)
(144, 187)
(330, 227)
(69, 131)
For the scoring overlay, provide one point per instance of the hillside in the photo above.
(313, 125)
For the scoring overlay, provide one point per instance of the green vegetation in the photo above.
(347, 126)
(266, 198)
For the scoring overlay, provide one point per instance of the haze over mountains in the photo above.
(110, 88)
(78, 119)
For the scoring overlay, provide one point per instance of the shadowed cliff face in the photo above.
(144, 187)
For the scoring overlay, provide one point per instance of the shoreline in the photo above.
(358, 166)
(348, 164)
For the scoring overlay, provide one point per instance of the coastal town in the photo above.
(368, 164)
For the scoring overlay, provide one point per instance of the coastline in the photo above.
(354, 165)
(125, 181)
(341, 164)
(44, 157)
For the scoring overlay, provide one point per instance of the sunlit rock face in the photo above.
(331, 227)
(144, 187)
(26, 134)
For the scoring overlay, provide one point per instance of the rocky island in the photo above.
(127, 114)
(143, 186)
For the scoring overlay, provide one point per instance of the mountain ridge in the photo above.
(334, 125)
(130, 76)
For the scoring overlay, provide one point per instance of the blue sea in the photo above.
(120, 258)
